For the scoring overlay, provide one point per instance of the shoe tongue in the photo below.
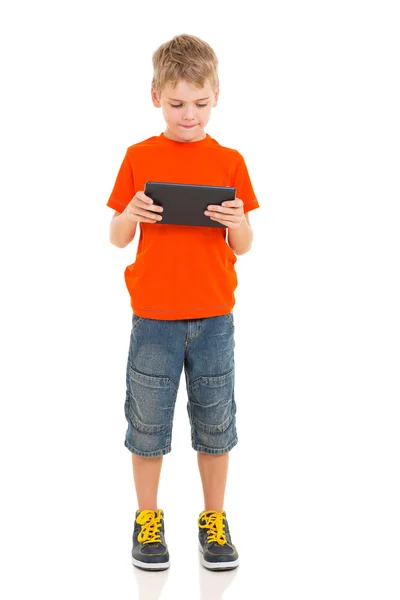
(153, 511)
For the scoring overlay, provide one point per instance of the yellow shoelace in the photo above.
(151, 524)
(214, 523)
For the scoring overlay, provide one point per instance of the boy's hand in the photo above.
(230, 213)
(142, 209)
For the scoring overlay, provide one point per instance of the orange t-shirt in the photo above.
(181, 271)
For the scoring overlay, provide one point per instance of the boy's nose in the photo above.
(188, 115)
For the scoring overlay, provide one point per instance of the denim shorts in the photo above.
(158, 351)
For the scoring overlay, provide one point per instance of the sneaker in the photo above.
(215, 544)
(149, 548)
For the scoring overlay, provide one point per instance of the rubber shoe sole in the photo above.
(150, 566)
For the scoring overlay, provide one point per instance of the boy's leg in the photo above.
(209, 371)
(154, 366)
(149, 548)
(213, 471)
(146, 474)
(210, 375)
(215, 542)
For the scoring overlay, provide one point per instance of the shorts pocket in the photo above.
(212, 406)
(150, 401)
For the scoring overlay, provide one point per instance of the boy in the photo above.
(181, 290)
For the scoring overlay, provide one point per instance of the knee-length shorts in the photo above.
(158, 351)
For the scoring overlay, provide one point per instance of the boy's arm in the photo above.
(240, 239)
(122, 229)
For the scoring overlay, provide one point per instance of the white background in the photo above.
(310, 96)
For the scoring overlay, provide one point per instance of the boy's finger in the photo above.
(226, 204)
(233, 203)
(219, 209)
(216, 208)
(145, 198)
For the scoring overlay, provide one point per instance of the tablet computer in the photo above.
(184, 204)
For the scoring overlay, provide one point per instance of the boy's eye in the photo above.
(179, 105)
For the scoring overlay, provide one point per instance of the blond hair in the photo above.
(185, 57)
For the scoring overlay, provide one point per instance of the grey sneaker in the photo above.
(149, 549)
(215, 544)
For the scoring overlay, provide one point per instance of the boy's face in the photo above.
(185, 105)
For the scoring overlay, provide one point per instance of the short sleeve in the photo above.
(244, 188)
(124, 188)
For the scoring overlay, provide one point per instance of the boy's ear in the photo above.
(155, 98)
(216, 94)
